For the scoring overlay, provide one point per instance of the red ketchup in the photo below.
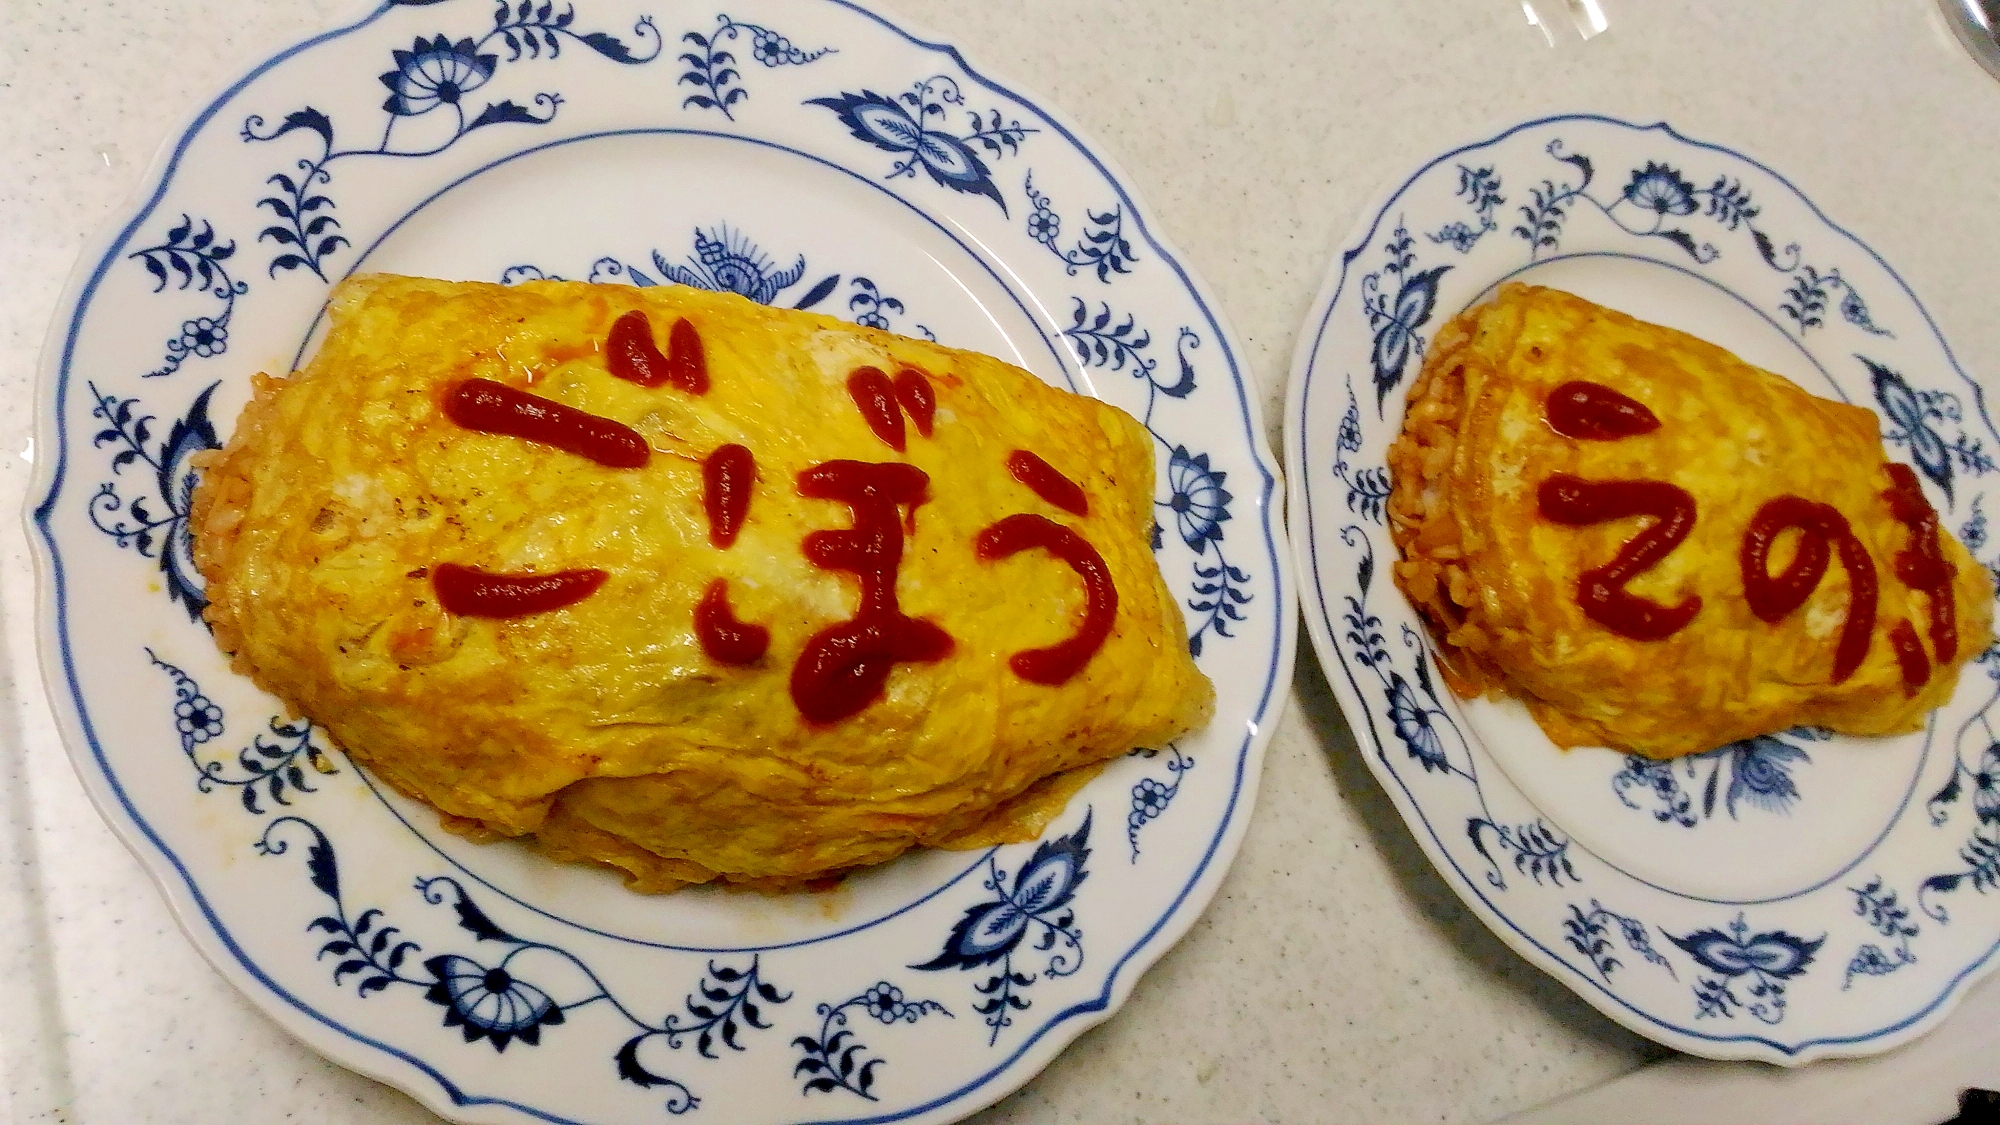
(632, 355)
(876, 396)
(496, 408)
(725, 639)
(1594, 412)
(844, 666)
(1772, 597)
(914, 391)
(726, 477)
(1921, 565)
(1910, 656)
(1057, 663)
(1047, 483)
(1576, 502)
(477, 593)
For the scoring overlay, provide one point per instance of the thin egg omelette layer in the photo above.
(603, 729)
(1498, 584)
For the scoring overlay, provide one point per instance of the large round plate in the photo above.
(802, 153)
(1785, 898)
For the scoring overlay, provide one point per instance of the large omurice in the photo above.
(693, 587)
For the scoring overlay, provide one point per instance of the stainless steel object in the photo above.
(1977, 25)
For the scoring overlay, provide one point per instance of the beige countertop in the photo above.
(1335, 977)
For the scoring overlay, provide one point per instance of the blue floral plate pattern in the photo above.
(805, 153)
(1789, 897)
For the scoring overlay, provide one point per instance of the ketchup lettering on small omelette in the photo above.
(1595, 412)
(1576, 502)
(1592, 412)
(1772, 599)
(1922, 565)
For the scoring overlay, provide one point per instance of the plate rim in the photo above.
(1313, 608)
(353, 1049)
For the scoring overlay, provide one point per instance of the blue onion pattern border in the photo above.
(1736, 968)
(1030, 915)
(1198, 506)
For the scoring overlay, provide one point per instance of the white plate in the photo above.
(799, 152)
(1786, 898)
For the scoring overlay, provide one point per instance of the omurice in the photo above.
(1662, 549)
(699, 589)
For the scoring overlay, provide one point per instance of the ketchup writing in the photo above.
(1916, 668)
(725, 639)
(496, 408)
(1047, 483)
(1772, 597)
(1592, 412)
(845, 665)
(726, 477)
(1921, 565)
(919, 401)
(1577, 502)
(1595, 412)
(477, 593)
(632, 355)
(1057, 663)
(876, 396)
(687, 361)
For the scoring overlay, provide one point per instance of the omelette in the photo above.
(1662, 549)
(699, 589)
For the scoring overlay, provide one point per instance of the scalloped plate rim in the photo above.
(1314, 602)
(354, 1050)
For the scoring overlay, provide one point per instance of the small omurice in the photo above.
(700, 589)
(1662, 549)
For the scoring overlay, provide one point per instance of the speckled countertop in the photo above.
(1335, 978)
